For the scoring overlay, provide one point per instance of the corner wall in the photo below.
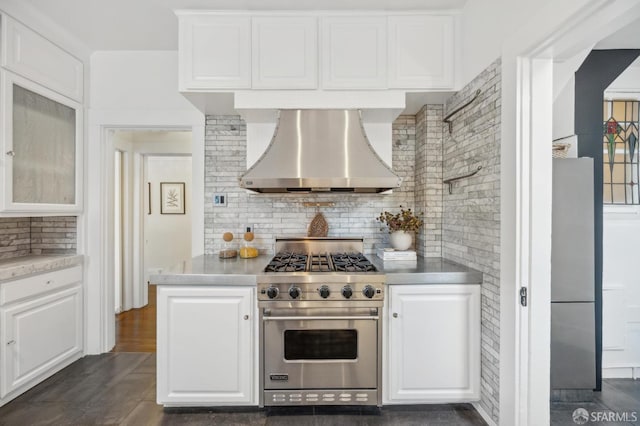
(471, 214)
(429, 188)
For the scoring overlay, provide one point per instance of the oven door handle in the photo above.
(308, 318)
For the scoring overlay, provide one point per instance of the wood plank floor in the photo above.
(136, 328)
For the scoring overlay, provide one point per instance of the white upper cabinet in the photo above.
(284, 52)
(41, 141)
(214, 51)
(421, 51)
(225, 51)
(30, 55)
(354, 52)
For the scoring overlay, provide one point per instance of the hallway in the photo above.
(136, 328)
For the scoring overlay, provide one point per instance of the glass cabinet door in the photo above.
(44, 149)
(42, 142)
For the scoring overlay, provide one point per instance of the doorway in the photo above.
(148, 238)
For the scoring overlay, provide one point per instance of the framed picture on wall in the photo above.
(172, 198)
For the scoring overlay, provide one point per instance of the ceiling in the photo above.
(152, 25)
(627, 37)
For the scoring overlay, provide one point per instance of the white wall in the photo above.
(564, 84)
(129, 90)
(136, 80)
(627, 85)
(620, 279)
(621, 292)
(167, 237)
(486, 25)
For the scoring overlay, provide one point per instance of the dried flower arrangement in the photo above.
(406, 220)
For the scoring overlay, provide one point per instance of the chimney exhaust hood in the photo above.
(319, 150)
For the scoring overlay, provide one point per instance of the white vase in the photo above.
(400, 240)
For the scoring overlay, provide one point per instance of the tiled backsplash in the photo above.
(284, 214)
(471, 217)
(428, 189)
(21, 236)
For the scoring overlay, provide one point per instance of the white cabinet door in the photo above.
(39, 335)
(433, 343)
(214, 52)
(29, 54)
(284, 52)
(205, 345)
(41, 148)
(354, 52)
(421, 52)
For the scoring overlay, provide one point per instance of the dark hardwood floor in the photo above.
(120, 388)
(136, 328)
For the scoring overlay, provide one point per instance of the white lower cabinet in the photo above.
(42, 328)
(433, 344)
(205, 345)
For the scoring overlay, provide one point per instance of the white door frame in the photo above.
(559, 30)
(98, 220)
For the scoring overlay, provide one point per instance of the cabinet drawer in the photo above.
(42, 283)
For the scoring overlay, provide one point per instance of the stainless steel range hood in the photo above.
(319, 150)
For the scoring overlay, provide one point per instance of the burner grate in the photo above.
(287, 262)
(320, 263)
(352, 262)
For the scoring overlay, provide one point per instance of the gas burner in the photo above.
(352, 262)
(287, 262)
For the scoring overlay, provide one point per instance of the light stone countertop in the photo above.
(19, 267)
(211, 270)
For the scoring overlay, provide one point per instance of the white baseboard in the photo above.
(487, 418)
(621, 373)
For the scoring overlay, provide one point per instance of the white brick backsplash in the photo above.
(21, 236)
(277, 215)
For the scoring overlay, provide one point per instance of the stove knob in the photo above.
(324, 291)
(369, 291)
(347, 292)
(272, 292)
(294, 292)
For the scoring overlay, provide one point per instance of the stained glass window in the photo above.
(620, 152)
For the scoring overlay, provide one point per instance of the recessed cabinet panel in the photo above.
(354, 53)
(34, 57)
(205, 345)
(39, 336)
(44, 149)
(433, 344)
(284, 53)
(421, 52)
(214, 52)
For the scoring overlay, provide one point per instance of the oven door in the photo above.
(320, 349)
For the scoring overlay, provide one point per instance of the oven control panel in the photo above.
(320, 291)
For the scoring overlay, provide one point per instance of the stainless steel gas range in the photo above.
(320, 303)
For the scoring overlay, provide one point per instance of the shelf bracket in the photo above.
(451, 180)
(447, 119)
